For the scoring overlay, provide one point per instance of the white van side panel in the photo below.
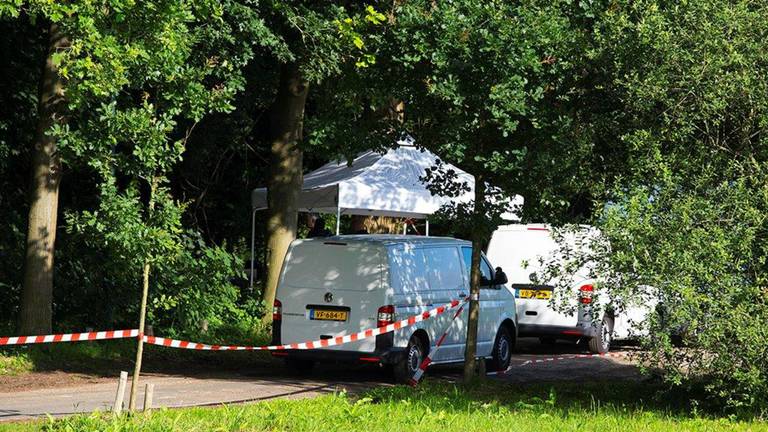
(353, 274)
(365, 275)
(423, 278)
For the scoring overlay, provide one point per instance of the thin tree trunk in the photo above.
(140, 343)
(37, 291)
(284, 185)
(470, 352)
(142, 311)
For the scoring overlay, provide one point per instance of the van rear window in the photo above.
(355, 267)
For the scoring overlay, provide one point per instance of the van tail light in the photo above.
(585, 293)
(277, 311)
(385, 316)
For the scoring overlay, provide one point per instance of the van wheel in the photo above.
(502, 351)
(409, 364)
(299, 366)
(601, 342)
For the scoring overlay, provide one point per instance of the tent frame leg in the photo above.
(253, 248)
(338, 220)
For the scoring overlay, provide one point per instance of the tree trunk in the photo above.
(37, 291)
(470, 352)
(140, 341)
(284, 185)
(142, 308)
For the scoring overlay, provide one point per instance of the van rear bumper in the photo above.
(538, 330)
(384, 353)
(389, 356)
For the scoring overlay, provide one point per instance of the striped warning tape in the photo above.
(68, 337)
(554, 359)
(175, 343)
(320, 343)
(428, 359)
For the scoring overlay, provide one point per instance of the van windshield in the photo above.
(333, 266)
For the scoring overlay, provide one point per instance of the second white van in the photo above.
(336, 286)
(523, 250)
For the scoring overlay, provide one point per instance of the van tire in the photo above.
(299, 366)
(501, 356)
(409, 364)
(601, 342)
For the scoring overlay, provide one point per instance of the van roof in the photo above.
(388, 239)
(524, 227)
(534, 227)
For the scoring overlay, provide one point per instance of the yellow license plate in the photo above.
(535, 294)
(327, 315)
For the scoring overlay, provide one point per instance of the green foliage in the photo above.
(138, 77)
(689, 216)
(488, 87)
(14, 364)
(682, 160)
(704, 249)
(19, 77)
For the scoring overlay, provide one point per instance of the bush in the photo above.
(695, 249)
(703, 246)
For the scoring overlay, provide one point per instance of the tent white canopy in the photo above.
(375, 184)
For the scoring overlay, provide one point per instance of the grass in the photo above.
(438, 406)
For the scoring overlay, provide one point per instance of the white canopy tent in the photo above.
(376, 184)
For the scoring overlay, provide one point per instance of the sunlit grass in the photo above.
(433, 406)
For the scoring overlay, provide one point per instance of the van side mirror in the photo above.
(500, 278)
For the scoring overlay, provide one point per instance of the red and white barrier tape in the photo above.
(175, 343)
(428, 359)
(320, 343)
(68, 337)
(553, 359)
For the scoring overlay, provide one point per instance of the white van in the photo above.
(520, 249)
(340, 285)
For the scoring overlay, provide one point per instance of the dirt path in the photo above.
(170, 392)
(59, 393)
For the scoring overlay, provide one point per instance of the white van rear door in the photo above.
(329, 289)
(519, 253)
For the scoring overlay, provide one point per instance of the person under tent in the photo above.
(318, 228)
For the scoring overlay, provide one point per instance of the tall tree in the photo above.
(24, 45)
(138, 77)
(324, 40)
(486, 88)
(37, 290)
(285, 180)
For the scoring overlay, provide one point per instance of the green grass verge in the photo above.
(435, 406)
